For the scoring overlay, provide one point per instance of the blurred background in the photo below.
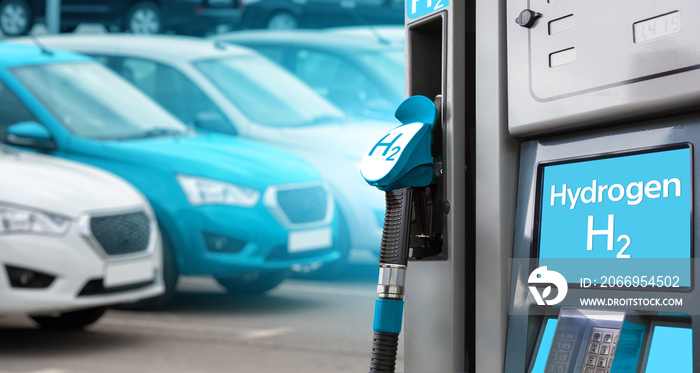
(241, 125)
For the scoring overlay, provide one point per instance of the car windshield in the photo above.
(390, 65)
(91, 101)
(267, 94)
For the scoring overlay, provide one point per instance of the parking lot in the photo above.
(299, 326)
(302, 326)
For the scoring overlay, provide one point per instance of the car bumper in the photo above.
(227, 240)
(83, 276)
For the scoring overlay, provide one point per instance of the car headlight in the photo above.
(201, 191)
(23, 220)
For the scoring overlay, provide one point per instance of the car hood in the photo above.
(61, 187)
(218, 157)
(353, 139)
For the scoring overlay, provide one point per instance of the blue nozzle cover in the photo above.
(418, 109)
(402, 157)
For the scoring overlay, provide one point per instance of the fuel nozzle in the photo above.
(402, 157)
(397, 163)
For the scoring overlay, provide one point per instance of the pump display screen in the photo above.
(618, 221)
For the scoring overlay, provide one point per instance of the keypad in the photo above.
(600, 350)
(561, 352)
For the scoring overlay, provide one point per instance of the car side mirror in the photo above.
(30, 135)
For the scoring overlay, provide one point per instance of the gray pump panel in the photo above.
(532, 89)
(590, 62)
(604, 95)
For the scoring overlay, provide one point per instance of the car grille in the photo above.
(122, 234)
(304, 205)
(96, 287)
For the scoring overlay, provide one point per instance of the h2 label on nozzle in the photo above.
(402, 158)
(385, 156)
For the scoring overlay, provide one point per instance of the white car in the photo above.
(225, 88)
(73, 239)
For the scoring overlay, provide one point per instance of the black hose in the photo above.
(397, 220)
(384, 347)
(394, 253)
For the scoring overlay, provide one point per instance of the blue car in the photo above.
(220, 87)
(239, 211)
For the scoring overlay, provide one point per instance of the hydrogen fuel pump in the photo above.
(605, 106)
(578, 125)
(402, 165)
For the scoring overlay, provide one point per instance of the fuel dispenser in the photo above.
(569, 133)
(605, 106)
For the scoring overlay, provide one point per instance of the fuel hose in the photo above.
(393, 257)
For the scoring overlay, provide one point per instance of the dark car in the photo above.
(191, 17)
(360, 70)
(290, 14)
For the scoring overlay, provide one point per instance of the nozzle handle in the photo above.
(397, 222)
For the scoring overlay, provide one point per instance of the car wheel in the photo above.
(70, 320)
(253, 283)
(15, 17)
(282, 21)
(170, 278)
(144, 18)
